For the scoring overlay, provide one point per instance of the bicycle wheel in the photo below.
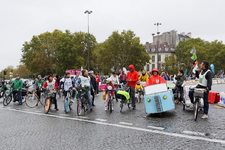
(66, 105)
(196, 110)
(7, 99)
(79, 107)
(31, 100)
(110, 105)
(47, 105)
(42, 99)
(121, 106)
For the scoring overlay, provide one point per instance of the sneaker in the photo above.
(106, 108)
(72, 101)
(97, 94)
(56, 109)
(91, 110)
(205, 116)
(112, 108)
(192, 106)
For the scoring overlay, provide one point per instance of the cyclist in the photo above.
(205, 81)
(51, 84)
(85, 81)
(115, 82)
(93, 82)
(179, 84)
(3, 88)
(144, 76)
(67, 84)
(39, 84)
(17, 86)
(108, 83)
(122, 77)
(155, 78)
(132, 78)
(98, 79)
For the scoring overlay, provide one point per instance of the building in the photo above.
(164, 50)
(167, 44)
(172, 38)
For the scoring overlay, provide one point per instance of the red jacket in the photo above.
(133, 76)
(97, 79)
(155, 80)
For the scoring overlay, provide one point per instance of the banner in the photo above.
(213, 68)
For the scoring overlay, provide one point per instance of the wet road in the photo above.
(29, 128)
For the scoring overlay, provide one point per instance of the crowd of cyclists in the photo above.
(132, 80)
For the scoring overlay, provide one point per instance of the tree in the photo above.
(170, 65)
(121, 50)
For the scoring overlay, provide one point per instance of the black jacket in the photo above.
(93, 82)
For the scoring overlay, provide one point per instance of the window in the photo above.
(153, 50)
(159, 57)
(153, 66)
(172, 49)
(166, 49)
(147, 67)
(159, 49)
(166, 55)
(147, 50)
(153, 58)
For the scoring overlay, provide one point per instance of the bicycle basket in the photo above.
(199, 93)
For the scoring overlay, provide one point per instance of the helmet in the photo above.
(90, 72)
(155, 70)
(17, 75)
(39, 76)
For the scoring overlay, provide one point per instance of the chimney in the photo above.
(189, 34)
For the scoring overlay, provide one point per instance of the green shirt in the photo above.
(17, 84)
(39, 84)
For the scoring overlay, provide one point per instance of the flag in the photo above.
(196, 67)
(193, 51)
(194, 56)
(213, 68)
(185, 72)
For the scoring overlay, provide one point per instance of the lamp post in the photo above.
(157, 24)
(88, 12)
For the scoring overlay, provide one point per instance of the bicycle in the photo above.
(49, 101)
(140, 95)
(67, 101)
(32, 99)
(124, 100)
(82, 101)
(9, 96)
(110, 101)
(198, 94)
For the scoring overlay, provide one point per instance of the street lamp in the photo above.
(157, 24)
(88, 12)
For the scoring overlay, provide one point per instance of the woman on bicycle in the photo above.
(108, 83)
(179, 84)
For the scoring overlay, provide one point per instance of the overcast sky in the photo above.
(21, 19)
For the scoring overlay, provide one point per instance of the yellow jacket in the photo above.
(138, 87)
(143, 78)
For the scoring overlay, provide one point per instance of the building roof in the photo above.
(163, 48)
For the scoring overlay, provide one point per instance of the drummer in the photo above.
(155, 78)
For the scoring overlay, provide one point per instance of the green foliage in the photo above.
(55, 52)
(171, 66)
(213, 52)
(121, 50)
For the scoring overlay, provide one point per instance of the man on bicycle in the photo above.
(205, 82)
(85, 81)
(51, 84)
(67, 84)
(132, 78)
(17, 86)
(39, 84)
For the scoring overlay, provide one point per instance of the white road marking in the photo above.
(125, 127)
(157, 128)
(103, 120)
(83, 117)
(126, 123)
(194, 133)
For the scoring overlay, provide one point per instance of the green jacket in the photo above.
(17, 84)
(180, 80)
(39, 84)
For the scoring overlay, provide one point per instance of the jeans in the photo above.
(206, 102)
(73, 93)
(88, 93)
(93, 95)
(97, 88)
(132, 96)
(19, 95)
(39, 93)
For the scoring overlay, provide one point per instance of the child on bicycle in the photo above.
(108, 83)
(138, 89)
